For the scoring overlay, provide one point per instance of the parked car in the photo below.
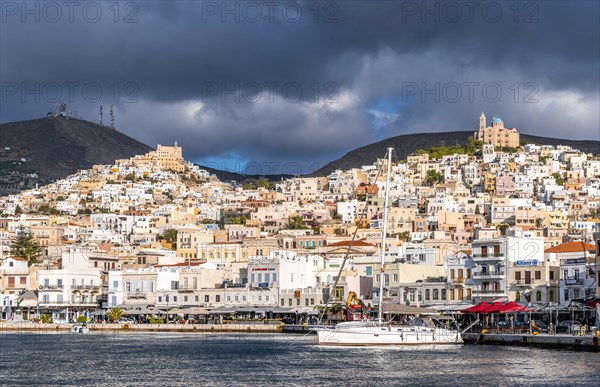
(567, 326)
(123, 320)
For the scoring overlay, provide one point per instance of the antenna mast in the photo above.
(112, 117)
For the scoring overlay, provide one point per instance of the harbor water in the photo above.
(274, 359)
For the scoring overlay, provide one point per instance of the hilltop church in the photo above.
(497, 134)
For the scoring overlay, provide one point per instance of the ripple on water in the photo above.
(271, 359)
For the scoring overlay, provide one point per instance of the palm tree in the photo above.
(115, 314)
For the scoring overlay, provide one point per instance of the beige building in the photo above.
(497, 134)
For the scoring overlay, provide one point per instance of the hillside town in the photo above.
(493, 219)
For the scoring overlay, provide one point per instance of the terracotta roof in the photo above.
(571, 247)
(18, 258)
(356, 243)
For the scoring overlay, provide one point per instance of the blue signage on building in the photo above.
(527, 263)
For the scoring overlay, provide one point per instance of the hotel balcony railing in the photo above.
(52, 287)
(458, 280)
(488, 274)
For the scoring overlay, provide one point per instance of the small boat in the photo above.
(419, 332)
(80, 328)
(423, 331)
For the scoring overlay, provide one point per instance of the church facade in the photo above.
(497, 134)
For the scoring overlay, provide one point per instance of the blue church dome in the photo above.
(497, 119)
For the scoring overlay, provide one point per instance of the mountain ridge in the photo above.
(406, 144)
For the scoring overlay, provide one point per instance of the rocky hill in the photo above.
(46, 149)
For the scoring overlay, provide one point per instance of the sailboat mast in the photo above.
(383, 242)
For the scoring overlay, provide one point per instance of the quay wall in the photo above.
(204, 328)
(586, 342)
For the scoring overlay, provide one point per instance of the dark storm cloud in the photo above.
(364, 59)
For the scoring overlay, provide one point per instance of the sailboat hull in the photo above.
(388, 335)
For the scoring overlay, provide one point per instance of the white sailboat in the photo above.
(419, 332)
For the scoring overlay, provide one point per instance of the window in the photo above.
(282, 302)
(159, 298)
(217, 298)
(252, 278)
(517, 275)
(174, 298)
(451, 273)
(174, 285)
(289, 301)
(297, 302)
(115, 284)
(443, 294)
(395, 277)
(312, 301)
(185, 298)
(206, 298)
(436, 294)
(551, 275)
(267, 277)
(369, 271)
(196, 298)
(427, 294)
(274, 277)
(538, 296)
(538, 275)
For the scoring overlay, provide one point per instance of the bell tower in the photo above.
(482, 122)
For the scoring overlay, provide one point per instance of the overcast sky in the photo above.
(302, 83)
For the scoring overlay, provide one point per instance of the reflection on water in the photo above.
(272, 359)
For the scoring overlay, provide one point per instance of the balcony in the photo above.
(189, 288)
(50, 288)
(574, 281)
(488, 257)
(85, 288)
(136, 294)
(488, 274)
(488, 292)
(458, 280)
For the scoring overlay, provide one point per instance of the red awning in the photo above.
(479, 308)
(497, 307)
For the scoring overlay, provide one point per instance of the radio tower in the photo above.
(100, 115)
(112, 117)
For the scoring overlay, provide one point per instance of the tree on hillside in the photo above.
(295, 222)
(25, 246)
(433, 177)
(170, 235)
